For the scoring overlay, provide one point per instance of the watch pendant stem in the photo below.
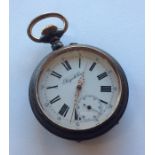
(52, 35)
(56, 45)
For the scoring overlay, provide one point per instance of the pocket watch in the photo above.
(78, 91)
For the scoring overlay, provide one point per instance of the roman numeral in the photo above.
(64, 109)
(103, 101)
(56, 74)
(102, 75)
(76, 115)
(105, 88)
(57, 98)
(66, 65)
(52, 87)
(79, 62)
(92, 66)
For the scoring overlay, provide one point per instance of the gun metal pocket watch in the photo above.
(78, 91)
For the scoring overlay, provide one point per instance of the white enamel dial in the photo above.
(78, 90)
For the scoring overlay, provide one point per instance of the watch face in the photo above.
(78, 88)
